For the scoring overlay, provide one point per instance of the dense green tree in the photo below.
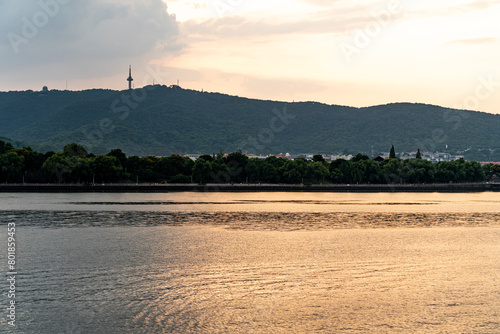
(337, 168)
(357, 172)
(206, 157)
(252, 170)
(48, 154)
(301, 164)
(68, 169)
(392, 154)
(173, 165)
(292, 176)
(318, 158)
(270, 173)
(11, 167)
(336, 163)
(74, 149)
(133, 167)
(347, 171)
(491, 171)
(293, 171)
(445, 172)
(275, 162)
(122, 157)
(148, 169)
(495, 168)
(187, 166)
(107, 169)
(360, 157)
(488, 172)
(220, 155)
(5, 147)
(460, 170)
(165, 169)
(83, 170)
(372, 171)
(74, 166)
(220, 172)
(336, 176)
(419, 170)
(32, 160)
(201, 170)
(474, 172)
(236, 163)
(392, 171)
(56, 168)
(317, 172)
(180, 178)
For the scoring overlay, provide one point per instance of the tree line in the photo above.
(75, 165)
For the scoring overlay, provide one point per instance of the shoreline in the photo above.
(165, 188)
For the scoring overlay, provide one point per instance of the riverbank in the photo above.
(122, 187)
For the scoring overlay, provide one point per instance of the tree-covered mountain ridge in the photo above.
(161, 120)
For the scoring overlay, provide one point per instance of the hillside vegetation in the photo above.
(160, 120)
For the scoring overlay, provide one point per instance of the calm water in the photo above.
(254, 263)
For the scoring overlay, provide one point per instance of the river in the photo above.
(253, 262)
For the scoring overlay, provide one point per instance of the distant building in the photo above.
(341, 156)
(254, 156)
(286, 156)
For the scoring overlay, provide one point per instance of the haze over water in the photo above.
(255, 262)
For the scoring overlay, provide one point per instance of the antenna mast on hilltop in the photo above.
(130, 79)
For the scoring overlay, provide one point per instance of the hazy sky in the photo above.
(355, 53)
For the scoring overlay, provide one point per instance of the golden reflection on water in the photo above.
(259, 262)
(343, 281)
(349, 202)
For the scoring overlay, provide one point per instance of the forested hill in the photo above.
(160, 120)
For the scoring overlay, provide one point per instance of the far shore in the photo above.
(164, 188)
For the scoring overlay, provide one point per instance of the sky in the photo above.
(354, 53)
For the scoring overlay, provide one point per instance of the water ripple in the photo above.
(257, 221)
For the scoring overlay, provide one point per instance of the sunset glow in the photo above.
(356, 53)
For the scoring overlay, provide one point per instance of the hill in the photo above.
(14, 143)
(163, 120)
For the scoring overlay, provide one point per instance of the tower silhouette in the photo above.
(130, 79)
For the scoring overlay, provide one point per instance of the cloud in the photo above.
(453, 9)
(284, 88)
(196, 5)
(338, 17)
(475, 41)
(89, 38)
(478, 5)
(256, 86)
(324, 3)
(331, 20)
